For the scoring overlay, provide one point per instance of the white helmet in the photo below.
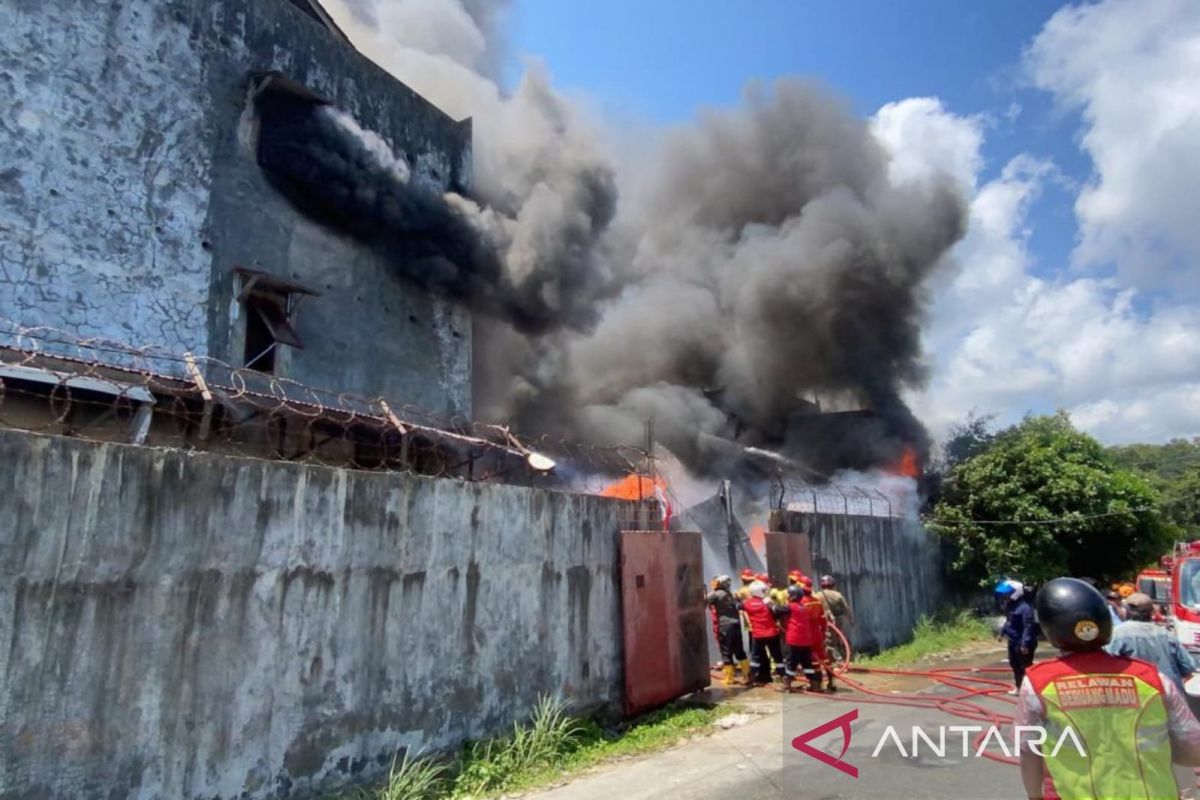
(758, 589)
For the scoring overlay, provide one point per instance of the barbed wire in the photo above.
(103, 390)
(841, 498)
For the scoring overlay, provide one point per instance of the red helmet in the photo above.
(796, 576)
(747, 574)
(764, 577)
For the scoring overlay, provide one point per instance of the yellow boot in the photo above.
(727, 675)
(744, 667)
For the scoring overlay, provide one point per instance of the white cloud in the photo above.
(924, 139)
(1131, 68)
(1005, 340)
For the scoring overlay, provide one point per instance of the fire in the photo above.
(635, 486)
(758, 538)
(908, 464)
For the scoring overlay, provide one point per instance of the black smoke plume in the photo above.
(761, 270)
(776, 271)
(350, 179)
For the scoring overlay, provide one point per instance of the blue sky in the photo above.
(1071, 128)
(665, 60)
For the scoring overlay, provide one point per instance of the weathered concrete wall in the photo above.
(890, 570)
(105, 170)
(129, 190)
(188, 625)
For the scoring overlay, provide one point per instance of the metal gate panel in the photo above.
(788, 551)
(664, 621)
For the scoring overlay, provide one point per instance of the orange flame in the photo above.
(758, 538)
(635, 487)
(907, 465)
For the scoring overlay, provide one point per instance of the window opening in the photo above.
(270, 305)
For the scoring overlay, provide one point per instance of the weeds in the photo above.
(551, 744)
(933, 636)
(412, 779)
(549, 736)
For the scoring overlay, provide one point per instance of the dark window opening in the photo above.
(259, 352)
(269, 304)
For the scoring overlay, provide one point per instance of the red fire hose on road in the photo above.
(970, 681)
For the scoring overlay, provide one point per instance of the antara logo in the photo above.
(1033, 736)
(841, 723)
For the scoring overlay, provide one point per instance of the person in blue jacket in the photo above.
(1020, 627)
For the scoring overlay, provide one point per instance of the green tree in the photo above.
(1173, 469)
(968, 439)
(997, 504)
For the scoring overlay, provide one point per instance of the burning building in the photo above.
(158, 191)
(235, 180)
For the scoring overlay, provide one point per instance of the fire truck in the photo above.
(1184, 568)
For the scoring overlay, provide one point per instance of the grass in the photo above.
(933, 636)
(549, 747)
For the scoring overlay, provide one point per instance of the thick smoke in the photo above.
(775, 262)
(762, 261)
(527, 263)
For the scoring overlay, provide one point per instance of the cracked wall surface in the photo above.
(104, 173)
(129, 192)
(198, 627)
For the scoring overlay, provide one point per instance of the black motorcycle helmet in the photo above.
(1073, 615)
(795, 593)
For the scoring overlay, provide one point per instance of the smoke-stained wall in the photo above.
(890, 570)
(129, 190)
(194, 626)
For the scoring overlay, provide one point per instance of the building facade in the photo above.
(132, 206)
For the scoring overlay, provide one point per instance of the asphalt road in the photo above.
(756, 760)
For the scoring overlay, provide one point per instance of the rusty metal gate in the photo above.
(788, 551)
(664, 620)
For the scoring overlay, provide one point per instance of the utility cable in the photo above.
(1053, 521)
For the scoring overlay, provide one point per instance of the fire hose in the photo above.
(969, 681)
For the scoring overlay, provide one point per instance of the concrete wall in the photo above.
(188, 625)
(129, 190)
(891, 570)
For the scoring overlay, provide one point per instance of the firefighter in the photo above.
(819, 619)
(1020, 629)
(777, 595)
(728, 624)
(800, 633)
(839, 610)
(742, 595)
(765, 632)
(1129, 719)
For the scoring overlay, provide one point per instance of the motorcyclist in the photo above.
(1130, 720)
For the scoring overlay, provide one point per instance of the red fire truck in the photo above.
(1184, 569)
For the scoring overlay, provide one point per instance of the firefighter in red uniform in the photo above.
(765, 630)
(800, 634)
